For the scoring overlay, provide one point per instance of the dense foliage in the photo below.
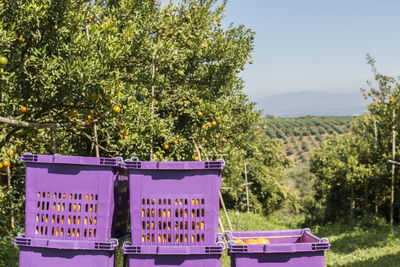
(352, 173)
(130, 78)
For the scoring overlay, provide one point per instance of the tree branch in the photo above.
(26, 124)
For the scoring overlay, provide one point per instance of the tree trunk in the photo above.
(11, 199)
(366, 200)
(376, 205)
(352, 205)
(96, 140)
(375, 180)
(393, 169)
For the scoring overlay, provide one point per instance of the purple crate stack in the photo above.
(287, 248)
(174, 207)
(70, 200)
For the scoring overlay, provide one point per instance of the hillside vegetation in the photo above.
(300, 136)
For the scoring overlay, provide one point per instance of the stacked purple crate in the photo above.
(70, 200)
(286, 248)
(60, 253)
(174, 213)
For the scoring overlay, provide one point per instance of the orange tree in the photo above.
(357, 167)
(129, 78)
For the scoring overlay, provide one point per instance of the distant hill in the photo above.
(313, 104)
(301, 136)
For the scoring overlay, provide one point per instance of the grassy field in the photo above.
(360, 246)
(300, 136)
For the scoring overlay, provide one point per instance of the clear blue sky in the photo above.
(317, 45)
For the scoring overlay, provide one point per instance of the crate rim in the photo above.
(70, 160)
(22, 241)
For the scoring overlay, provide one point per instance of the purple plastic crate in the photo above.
(174, 203)
(287, 248)
(75, 198)
(60, 253)
(183, 256)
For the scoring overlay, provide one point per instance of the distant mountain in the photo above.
(312, 103)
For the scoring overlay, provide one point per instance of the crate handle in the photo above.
(127, 243)
(134, 159)
(114, 242)
(220, 240)
(120, 160)
(219, 243)
(223, 161)
(231, 243)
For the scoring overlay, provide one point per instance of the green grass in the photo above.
(353, 246)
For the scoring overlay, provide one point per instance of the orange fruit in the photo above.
(176, 142)
(374, 98)
(239, 242)
(166, 146)
(185, 102)
(116, 109)
(262, 241)
(126, 137)
(199, 113)
(55, 26)
(1, 165)
(10, 152)
(203, 127)
(251, 241)
(209, 124)
(6, 163)
(73, 113)
(196, 158)
(21, 38)
(155, 102)
(214, 123)
(3, 60)
(217, 136)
